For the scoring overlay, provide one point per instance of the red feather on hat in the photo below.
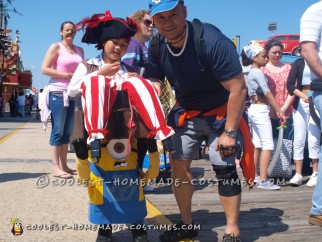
(94, 21)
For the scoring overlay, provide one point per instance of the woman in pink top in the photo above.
(277, 74)
(60, 62)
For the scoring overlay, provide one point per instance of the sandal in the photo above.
(72, 172)
(179, 232)
(230, 238)
(64, 176)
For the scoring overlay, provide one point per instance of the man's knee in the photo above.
(229, 183)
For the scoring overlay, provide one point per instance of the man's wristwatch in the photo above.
(231, 133)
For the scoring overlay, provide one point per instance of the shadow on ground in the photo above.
(254, 224)
(14, 176)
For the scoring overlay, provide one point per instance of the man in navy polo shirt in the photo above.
(210, 101)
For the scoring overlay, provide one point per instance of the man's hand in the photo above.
(158, 85)
(226, 145)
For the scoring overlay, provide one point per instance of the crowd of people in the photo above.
(210, 89)
(22, 105)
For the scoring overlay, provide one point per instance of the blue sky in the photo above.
(40, 24)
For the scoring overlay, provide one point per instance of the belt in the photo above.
(219, 111)
(306, 87)
(247, 160)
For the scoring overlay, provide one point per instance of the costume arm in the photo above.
(83, 171)
(153, 170)
(77, 79)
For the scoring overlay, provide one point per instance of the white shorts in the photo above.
(258, 115)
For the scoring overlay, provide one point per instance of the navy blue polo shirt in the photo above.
(198, 89)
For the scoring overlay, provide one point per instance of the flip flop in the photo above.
(64, 176)
(72, 172)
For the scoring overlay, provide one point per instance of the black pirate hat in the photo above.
(102, 27)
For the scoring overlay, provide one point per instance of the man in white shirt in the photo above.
(311, 50)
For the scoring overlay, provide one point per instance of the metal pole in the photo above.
(238, 36)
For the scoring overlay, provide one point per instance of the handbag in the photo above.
(283, 166)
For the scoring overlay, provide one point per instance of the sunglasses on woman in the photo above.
(147, 22)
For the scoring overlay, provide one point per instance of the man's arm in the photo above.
(236, 101)
(310, 54)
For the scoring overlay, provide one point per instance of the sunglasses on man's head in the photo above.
(147, 22)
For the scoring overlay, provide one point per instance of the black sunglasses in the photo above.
(147, 22)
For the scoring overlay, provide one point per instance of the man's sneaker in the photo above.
(140, 235)
(257, 179)
(230, 238)
(104, 233)
(179, 232)
(296, 180)
(315, 220)
(268, 185)
(313, 180)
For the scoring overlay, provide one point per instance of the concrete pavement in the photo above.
(29, 192)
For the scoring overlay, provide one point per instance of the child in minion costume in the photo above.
(113, 177)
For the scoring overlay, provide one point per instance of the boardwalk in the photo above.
(264, 216)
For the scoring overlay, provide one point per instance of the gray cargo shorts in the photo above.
(188, 139)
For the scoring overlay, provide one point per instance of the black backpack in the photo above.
(198, 40)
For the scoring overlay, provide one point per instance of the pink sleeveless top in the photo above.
(65, 62)
(278, 87)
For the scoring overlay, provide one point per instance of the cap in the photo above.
(158, 6)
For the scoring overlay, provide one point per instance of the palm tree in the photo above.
(6, 7)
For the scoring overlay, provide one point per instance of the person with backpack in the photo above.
(207, 77)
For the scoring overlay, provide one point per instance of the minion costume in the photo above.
(111, 172)
(115, 192)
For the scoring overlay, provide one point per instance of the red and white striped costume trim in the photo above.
(145, 100)
(142, 96)
(98, 96)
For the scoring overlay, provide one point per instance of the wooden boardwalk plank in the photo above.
(265, 215)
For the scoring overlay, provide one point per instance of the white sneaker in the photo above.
(148, 188)
(313, 180)
(268, 185)
(296, 180)
(257, 178)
